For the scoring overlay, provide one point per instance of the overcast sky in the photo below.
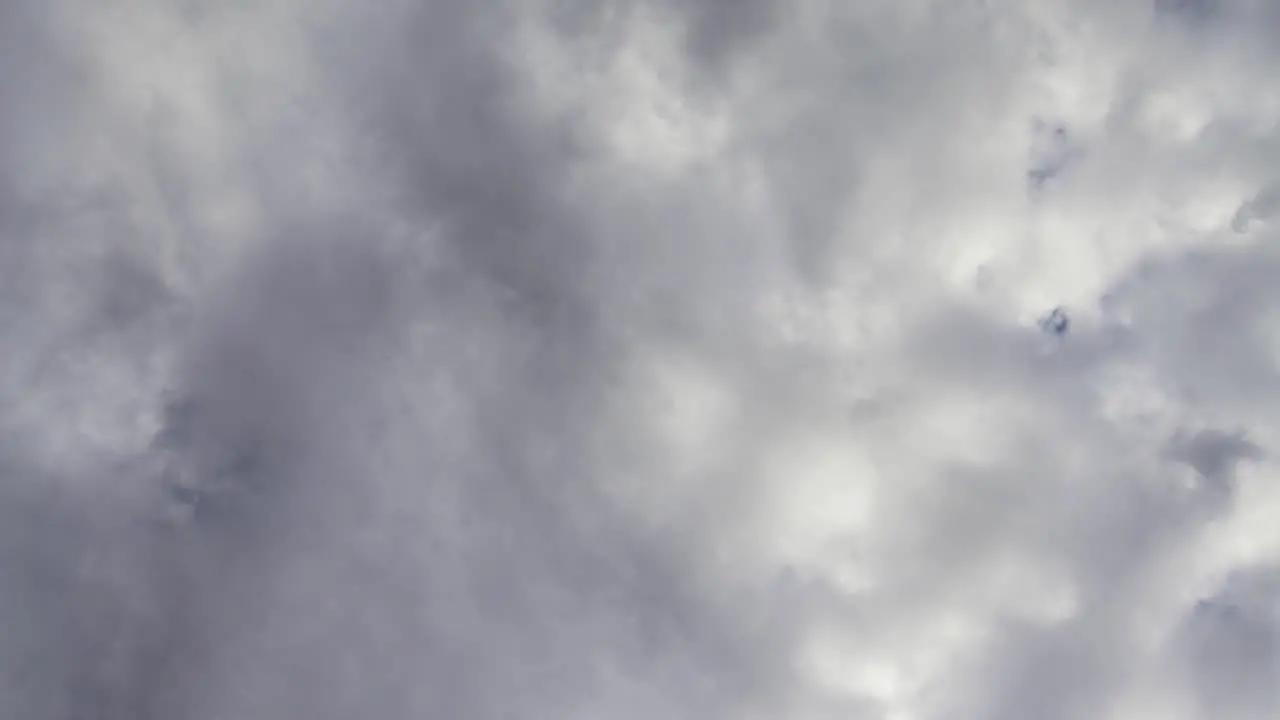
(706, 359)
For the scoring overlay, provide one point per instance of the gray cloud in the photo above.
(544, 360)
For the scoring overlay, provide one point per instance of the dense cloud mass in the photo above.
(427, 359)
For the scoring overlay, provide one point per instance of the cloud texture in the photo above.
(901, 360)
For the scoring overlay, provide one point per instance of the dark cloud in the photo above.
(556, 359)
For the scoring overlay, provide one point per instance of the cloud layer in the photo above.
(903, 360)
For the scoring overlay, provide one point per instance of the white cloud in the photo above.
(639, 359)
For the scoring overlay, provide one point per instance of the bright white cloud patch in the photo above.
(901, 360)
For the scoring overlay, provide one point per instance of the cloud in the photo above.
(640, 358)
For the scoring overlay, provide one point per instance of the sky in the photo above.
(552, 359)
